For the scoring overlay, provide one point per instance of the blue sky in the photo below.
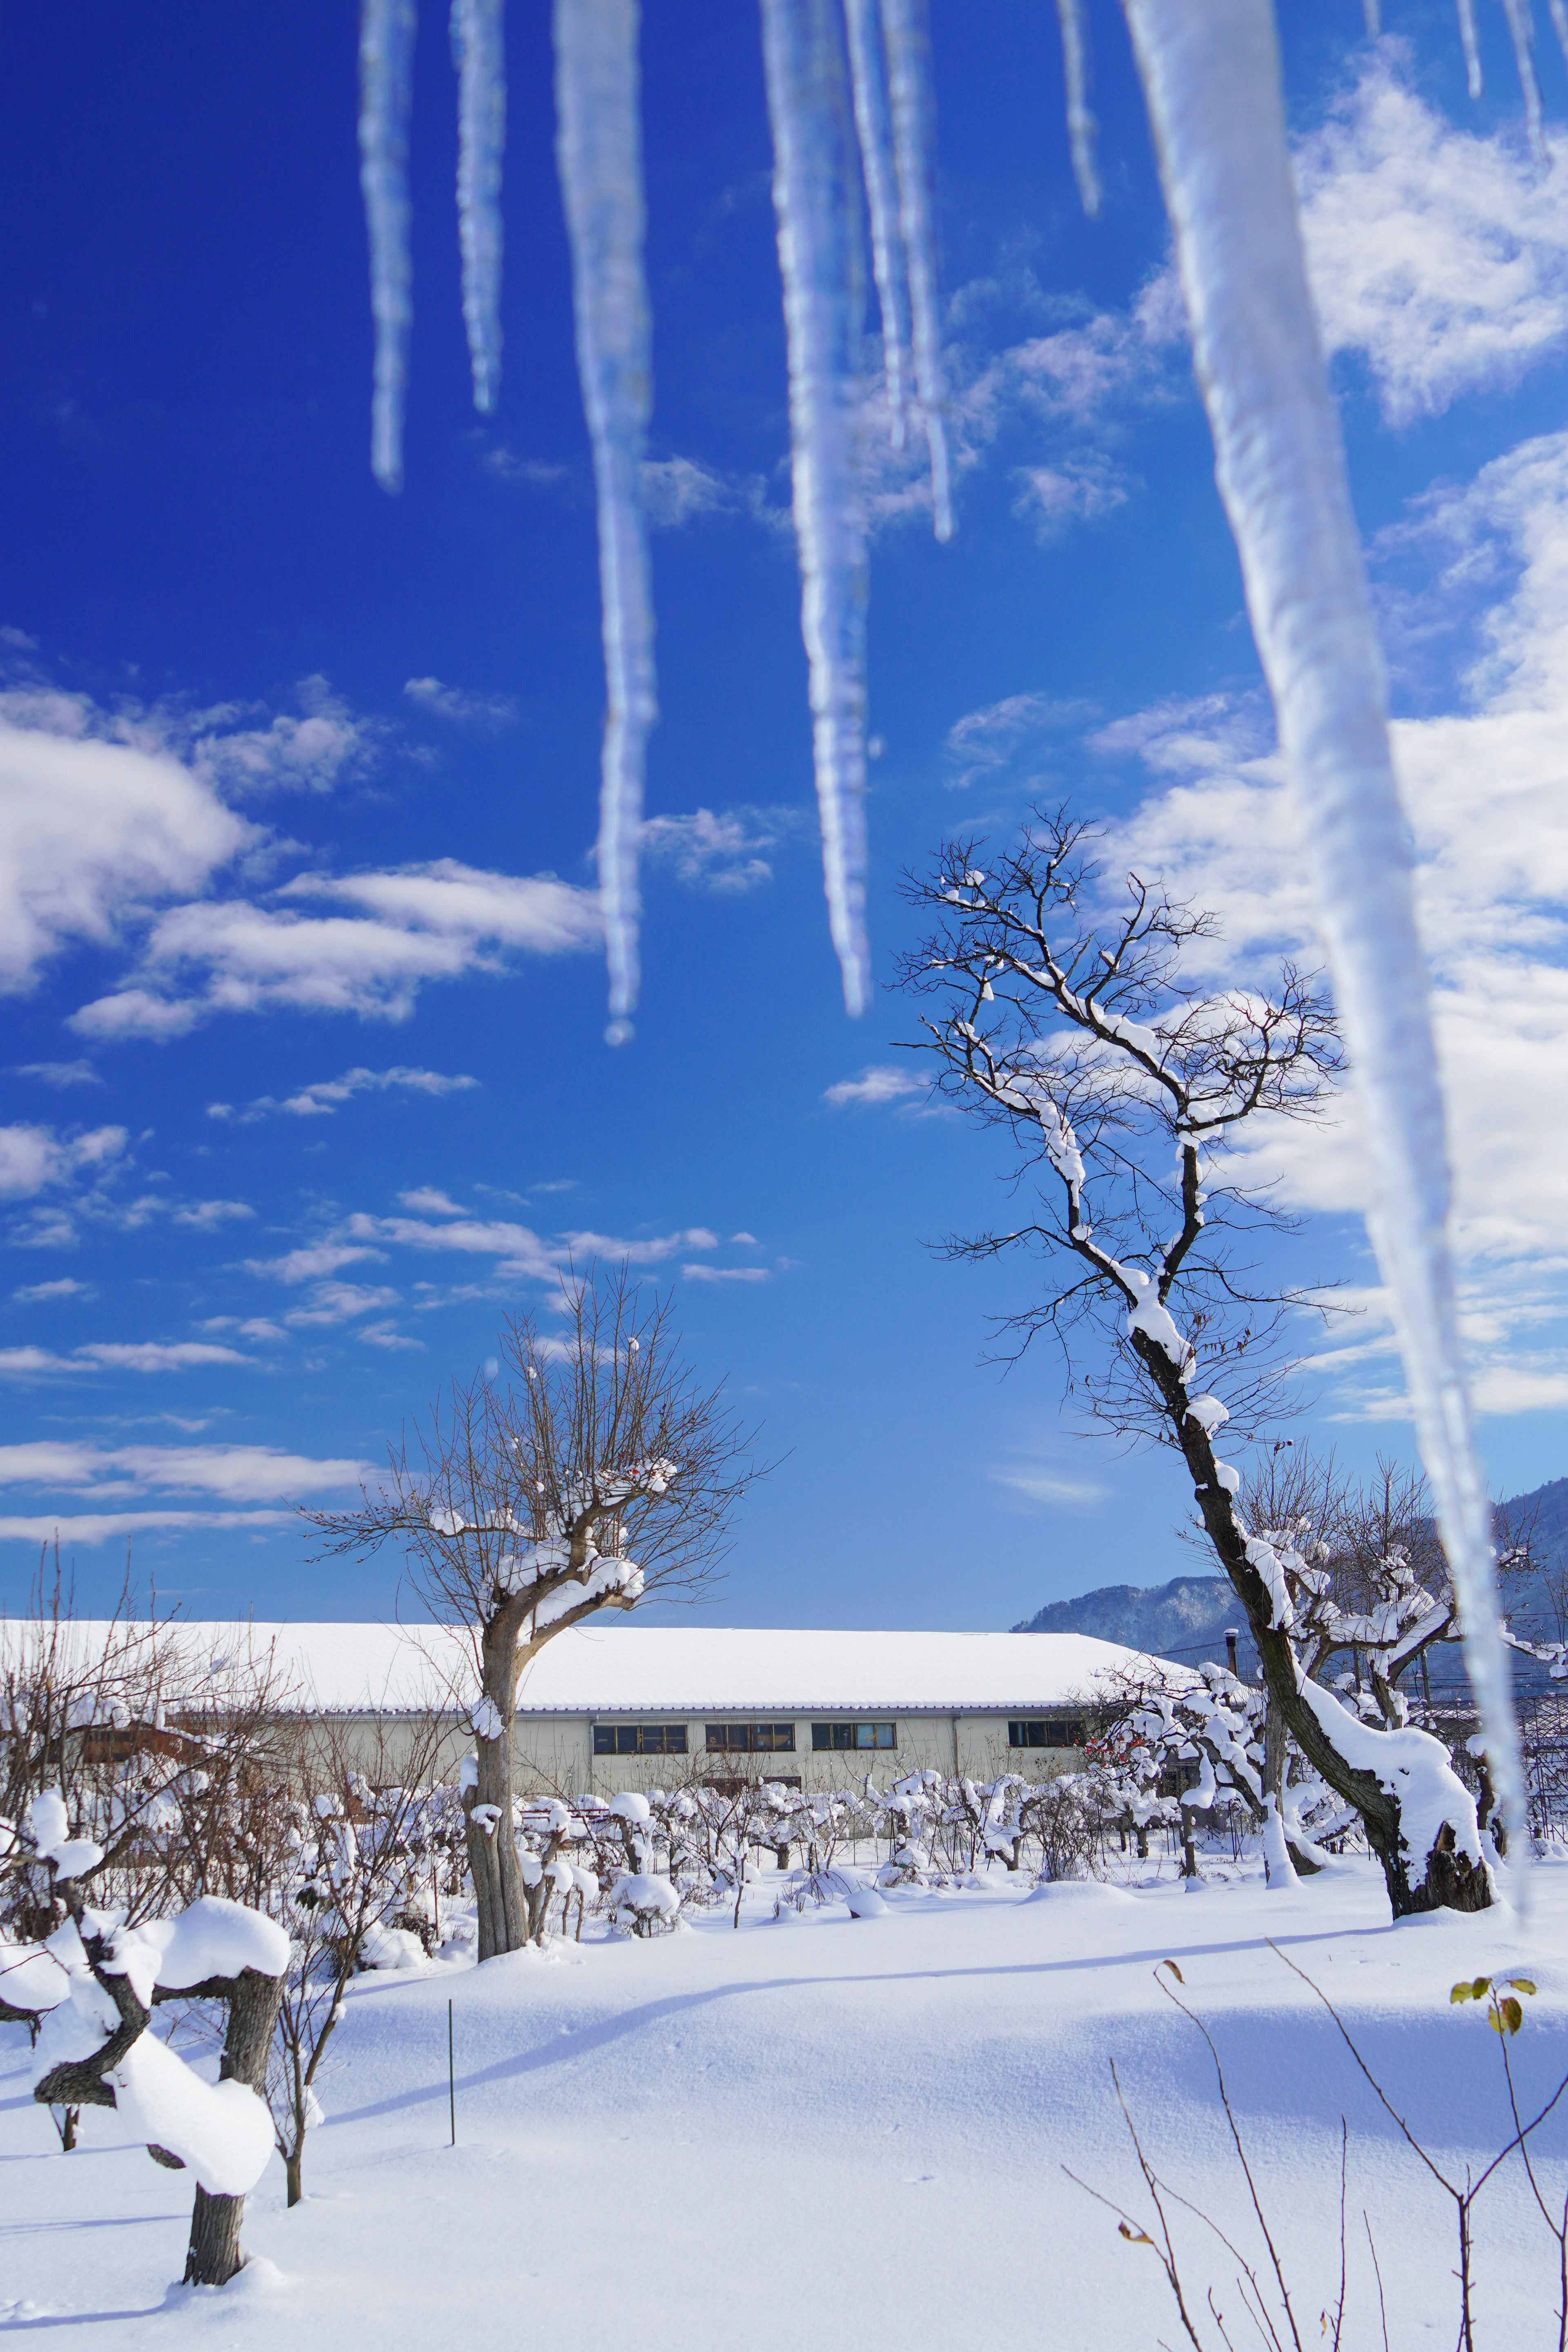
(305, 1081)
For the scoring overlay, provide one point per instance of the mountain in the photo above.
(1187, 1618)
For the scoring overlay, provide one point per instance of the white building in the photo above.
(611, 1706)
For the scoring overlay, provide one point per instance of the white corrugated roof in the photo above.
(671, 1669)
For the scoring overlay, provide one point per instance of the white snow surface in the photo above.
(623, 1669)
(210, 1938)
(222, 2129)
(930, 2079)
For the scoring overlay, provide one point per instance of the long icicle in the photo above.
(873, 122)
(385, 85)
(905, 30)
(1560, 23)
(1081, 125)
(816, 197)
(599, 153)
(1521, 30)
(478, 53)
(1470, 45)
(1211, 76)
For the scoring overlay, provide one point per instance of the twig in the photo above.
(1377, 2270)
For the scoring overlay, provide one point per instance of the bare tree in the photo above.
(358, 1842)
(1074, 1030)
(592, 1471)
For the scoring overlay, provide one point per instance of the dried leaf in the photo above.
(1521, 1984)
(1175, 1972)
(1513, 2016)
(1134, 2237)
(1461, 1993)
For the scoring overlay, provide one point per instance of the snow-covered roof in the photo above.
(618, 1669)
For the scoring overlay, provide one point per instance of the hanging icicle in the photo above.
(1560, 23)
(599, 153)
(1211, 76)
(385, 84)
(1081, 126)
(869, 74)
(817, 197)
(1521, 29)
(909, 86)
(478, 53)
(1470, 45)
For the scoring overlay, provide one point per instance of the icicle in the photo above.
(386, 86)
(1080, 121)
(1522, 26)
(599, 153)
(867, 71)
(1373, 15)
(1560, 23)
(909, 88)
(1471, 47)
(1211, 76)
(478, 53)
(816, 197)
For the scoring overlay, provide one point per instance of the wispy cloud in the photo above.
(325, 1096)
(454, 704)
(728, 851)
(880, 1084)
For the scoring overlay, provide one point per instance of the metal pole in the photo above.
(451, 2078)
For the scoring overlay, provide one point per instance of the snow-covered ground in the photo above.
(828, 2131)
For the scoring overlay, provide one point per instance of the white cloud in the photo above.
(90, 1528)
(726, 1273)
(877, 1085)
(1079, 488)
(1438, 255)
(677, 491)
(156, 1355)
(312, 1262)
(427, 1201)
(728, 851)
(34, 1158)
(413, 924)
(385, 1334)
(322, 1097)
(340, 1302)
(38, 1294)
(986, 741)
(236, 1474)
(92, 831)
(1486, 790)
(328, 746)
(463, 709)
(117, 1356)
(1038, 1484)
(61, 1073)
(538, 473)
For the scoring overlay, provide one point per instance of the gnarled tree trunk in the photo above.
(1443, 1879)
(499, 1894)
(214, 2253)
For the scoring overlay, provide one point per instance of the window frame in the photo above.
(623, 1739)
(843, 1739)
(747, 1738)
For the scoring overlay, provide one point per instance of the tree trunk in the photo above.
(498, 1890)
(291, 2168)
(214, 2253)
(1448, 1880)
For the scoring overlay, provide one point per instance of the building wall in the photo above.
(555, 1753)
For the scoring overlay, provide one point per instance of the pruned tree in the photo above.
(593, 1469)
(363, 1835)
(1127, 1089)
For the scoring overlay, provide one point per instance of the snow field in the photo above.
(851, 2130)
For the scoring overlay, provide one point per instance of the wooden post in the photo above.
(451, 2078)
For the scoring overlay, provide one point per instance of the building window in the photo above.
(751, 1739)
(1047, 1732)
(639, 1740)
(854, 1734)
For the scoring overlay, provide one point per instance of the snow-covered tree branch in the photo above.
(1065, 1019)
(593, 1470)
